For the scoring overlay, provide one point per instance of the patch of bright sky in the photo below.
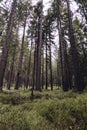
(46, 4)
(6, 4)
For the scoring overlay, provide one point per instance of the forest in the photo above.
(43, 64)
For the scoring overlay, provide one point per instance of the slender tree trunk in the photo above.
(51, 77)
(37, 46)
(33, 74)
(20, 59)
(78, 78)
(58, 81)
(5, 49)
(46, 65)
(65, 83)
(43, 69)
(11, 70)
(29, 66)
(13, 61)
(38, 81)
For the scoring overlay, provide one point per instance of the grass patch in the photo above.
(49, 110)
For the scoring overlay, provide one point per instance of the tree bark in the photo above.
(43, 69)
(51, 77)
(65, 78)
(38, 80)
(11, 70)
(33, 74)
(5, 49)
(46, 65)
(29, 65)
(20, 58)
(78, 78)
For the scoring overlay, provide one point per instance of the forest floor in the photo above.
(49, 110)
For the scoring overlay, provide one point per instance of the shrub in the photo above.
(14, 120)
(66, 114)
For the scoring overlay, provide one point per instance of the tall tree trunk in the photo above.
(43, 69)
(33, 74)
(11, 70)
(36, 56)
(13, 61)
(5, 49)
(58, 79)
(65, 83)
(46, 65)
(38, 80)
(51, 77)
(78, 78)
(29, 65)
(20, 59)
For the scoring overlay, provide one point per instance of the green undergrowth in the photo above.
(48, 110)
